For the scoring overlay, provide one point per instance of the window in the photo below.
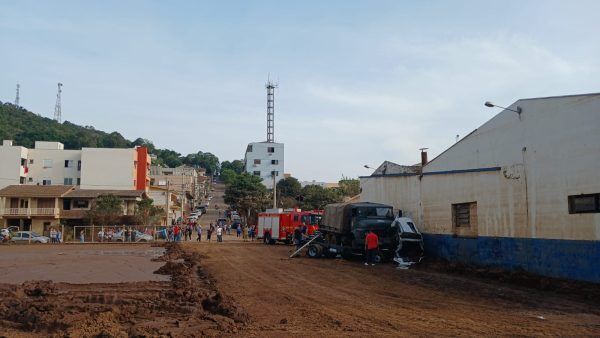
(30, 179)
(461, 215)
(295, 218)
(81, 204)
(257, 161)
(23, 161)
(580, 204)
(271, 149)
(275, 162)
(79, 165)
(47, 163)
(47, 182)
(69, 163)
(31, 161)
(249, 149)
(464, 219)
(256, 173)
(78, 181)
(274, 173)
(68, 181)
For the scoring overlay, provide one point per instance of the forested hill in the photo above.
(25, 127)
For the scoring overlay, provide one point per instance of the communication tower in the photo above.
(270, 110)
(17, 97)
(57, 107)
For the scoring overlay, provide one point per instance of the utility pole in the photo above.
(57, 107)
(274, 191)
(17, 97)
(168, 202)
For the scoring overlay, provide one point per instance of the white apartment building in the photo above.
(48, 163)
(265, 159)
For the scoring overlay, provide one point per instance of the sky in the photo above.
(360, 82)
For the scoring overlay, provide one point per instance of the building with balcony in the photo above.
(40, 207)
(48, 163)
(265, 160)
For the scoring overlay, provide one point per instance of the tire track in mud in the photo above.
(327, 297)
(189, 305)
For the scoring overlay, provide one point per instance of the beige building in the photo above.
(40, 207)
(48, 163)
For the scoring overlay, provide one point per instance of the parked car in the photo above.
(221, 221)
(26, 236)
(139, 237)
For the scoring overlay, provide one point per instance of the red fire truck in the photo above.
(279, 225)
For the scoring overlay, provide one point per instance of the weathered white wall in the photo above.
(10, 164)
(103, 168)
(58, 172)
(259, 151)
(401, 192)
(550, 152)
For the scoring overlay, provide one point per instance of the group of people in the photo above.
(55, 236)
(246, 232)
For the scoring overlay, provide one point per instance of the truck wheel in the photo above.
(313, 251)
(347, 253)
(377, 258)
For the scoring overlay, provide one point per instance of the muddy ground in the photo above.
(334, 297)
(188, 305)
(249, 289)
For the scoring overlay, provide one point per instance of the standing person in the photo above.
(251, 233)
(245, 233)
(52, 236)
(209, 232)
(58, 236)
(199, 231)
(82, 236)
(177, 233)
(371, 247)
(239, 230)
(125, 235)
(220, 234)
(132, 234)
(298, 238)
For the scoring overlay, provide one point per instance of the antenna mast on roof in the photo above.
(17, 97)
(57, 107)
(270, 110)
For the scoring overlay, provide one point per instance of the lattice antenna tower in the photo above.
(17, 97)
(270, 110)
(57, 107)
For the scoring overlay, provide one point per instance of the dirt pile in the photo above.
(189, 305)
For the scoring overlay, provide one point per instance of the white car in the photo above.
(26, 236)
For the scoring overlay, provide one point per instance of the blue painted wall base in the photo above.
(577, 260)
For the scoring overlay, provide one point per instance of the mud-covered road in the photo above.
(307, 297)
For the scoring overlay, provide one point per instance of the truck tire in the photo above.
(314, 251)
(347, 253)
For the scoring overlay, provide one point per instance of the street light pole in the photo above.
(490, 104)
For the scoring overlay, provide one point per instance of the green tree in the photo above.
(289, 187)
(106, 210)
(146, 213)
(316, 197)
(228, 176)
(247, 194)
(207, 161)
(350, 187)
(236, 165)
